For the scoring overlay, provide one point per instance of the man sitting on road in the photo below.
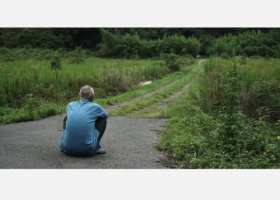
(84, 125)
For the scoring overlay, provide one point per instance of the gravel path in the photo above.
(129, 143)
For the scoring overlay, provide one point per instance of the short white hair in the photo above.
(86, 91)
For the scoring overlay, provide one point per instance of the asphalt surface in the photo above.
(129, 143)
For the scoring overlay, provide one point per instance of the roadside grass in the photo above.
(186, 127)
(12, 115)
(197, 139)
(157, 97)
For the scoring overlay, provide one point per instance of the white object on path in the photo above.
(145, 83)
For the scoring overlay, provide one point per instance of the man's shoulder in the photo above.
(73, 103)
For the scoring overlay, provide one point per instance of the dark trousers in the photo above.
(100, 125)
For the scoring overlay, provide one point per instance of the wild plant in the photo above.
(224, 138)
(77, 56)
(31, 104)
(56, 62)
(172, 62)
(117, 81)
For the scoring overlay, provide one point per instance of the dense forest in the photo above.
(147, 42)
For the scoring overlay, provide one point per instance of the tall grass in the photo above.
(259, 91)
(35, 83)
(108, 77)
(208, 129)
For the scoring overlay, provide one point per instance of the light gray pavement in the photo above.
(129, 143)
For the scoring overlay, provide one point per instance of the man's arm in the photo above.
(101, 112)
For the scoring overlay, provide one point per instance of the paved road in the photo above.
(129, 143)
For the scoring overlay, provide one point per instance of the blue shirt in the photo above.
(80, 137)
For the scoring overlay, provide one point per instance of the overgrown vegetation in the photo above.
(209, 127)
(258, 87)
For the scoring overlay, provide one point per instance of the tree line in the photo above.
(147, 42)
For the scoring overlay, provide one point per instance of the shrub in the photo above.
(116, 81)
(56, 62)
(225, 55)
(31, 104)
(156, 71)
(172, 62)
(77, 56)
(243, 60)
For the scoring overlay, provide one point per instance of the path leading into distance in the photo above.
(129, 143)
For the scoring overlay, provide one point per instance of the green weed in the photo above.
(199, 138)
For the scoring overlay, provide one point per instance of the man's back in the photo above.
(80, 136)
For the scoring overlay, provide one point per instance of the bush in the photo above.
(225, 56)
(56, 62)
(77, 56)
(171, 61)
(156, 71)
(116, 81)
(243, 60)
(32, 103)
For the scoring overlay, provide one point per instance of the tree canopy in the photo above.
(147, 41)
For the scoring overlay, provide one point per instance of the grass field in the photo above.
(31, 89)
